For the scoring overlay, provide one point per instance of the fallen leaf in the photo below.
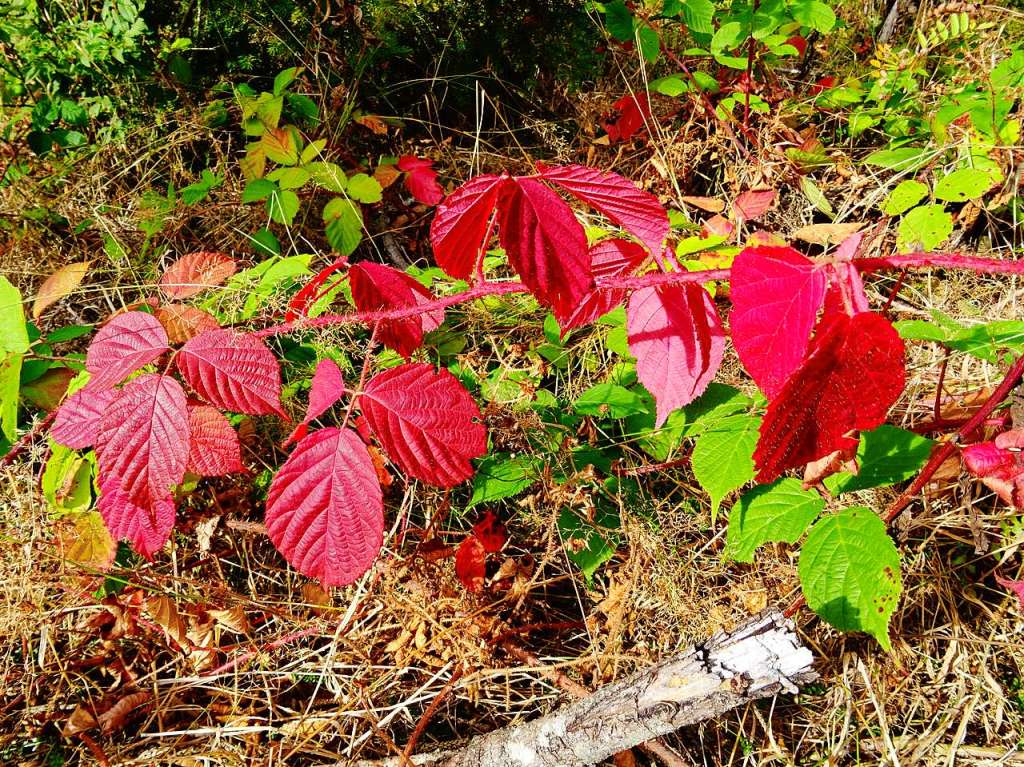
(752, 204)
(710, 204)
(826, 234)
(58, 285)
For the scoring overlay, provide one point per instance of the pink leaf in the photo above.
(845, 292)
(233, 371)
(998, 467)
(851, 377)
(545, 245)
(632, 114)
(213, 443)
(678, 341)
(426, 421)
(194, 272)
(122, 346)
(376, 287)
(1017, 587)
(327, 388)
(752, 204)
(421, 179)
(146, 528)
(717, 226)
(325, 512)
(459, 228)
(144, 437)
(608, 258)
(636, 211)
(77, 424)
(776, 294)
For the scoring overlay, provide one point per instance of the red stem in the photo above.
(944, 260)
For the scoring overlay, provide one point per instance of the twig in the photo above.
(27, 439)
(428, 714)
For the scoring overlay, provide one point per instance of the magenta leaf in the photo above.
(426, 421)
(77, 424)
(545, 245)
(1016, 587)
(851, 377)
(678, 341)
(327, 388)
(999, 465)
(325, 512)
(213, 443)
(776, 294)
(146, 528)
(608, 258)
(460, 225)
(233, 371)
(376, 287)
(194, 272)
(122, 346)
(636, 211)
(421, 179)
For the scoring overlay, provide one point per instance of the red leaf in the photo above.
(776, 294)
(327, 388)
(608, 258)
(376, 287)
(325, 512)
(233, 371)
(798, 42)
(312, 290)
(678, 341)
(426, 421)
(77, 424)
(194, 272)
(184, 322)
(421, 179)
(752, 204)
(146, 528)
(999, 468)
(636, 211)
(143, 439)
(213, 443)
(459, 228)
(850, 379)
(1017, 587)
(471, 563)
(122, 346)
(545, 245)
(491, 533)
(632, 114)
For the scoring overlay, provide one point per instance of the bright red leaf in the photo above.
(471, 563)
(459, 229)
(491, 533)
(313, 290)
(146, 528)
(545, 245)
(851, 377)
(77, 423)
(144, 439)
(999, 464)
(608, 258)
(426, 421)
(327, 387)
(194, 272)
(213, 443)
(325, 512)
(376, 287)
(632, 114)
(625, 204)
(678, 341)
(752, 204)
(233, 371)
(776, 294)
(122, 346)
(421, 179)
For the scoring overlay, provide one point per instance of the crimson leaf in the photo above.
(545, 245)
(377, 287)
(460, 226)
(636, 211)
(608, 258)
(233, 371)
(426, 421)
(776, 294)
(327, 387)
(122, 346)
(77, 423)
(471, 563)
(677, 339)
(146, 528)
(851, 377)
(213, 443)
(421, 179)
(325, 512)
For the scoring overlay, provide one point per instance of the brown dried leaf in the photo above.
(826, 234)
(710, 204)
(81, 720)
(233, 619)
(373, 123)
(165, 613)
(58, 285)
(91, 544)
(184, 322)
(386, 175)
(118, 715)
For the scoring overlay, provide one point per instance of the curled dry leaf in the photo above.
(164, 613)
(826, 234)
(58, 285)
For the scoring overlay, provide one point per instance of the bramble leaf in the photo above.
(327, 388)
(775, 513)
(499, 476)
(421, 179)
(122, 346)
(925, 228)
(460, 224)
(376, 287)
(233, 371)
(608, 258)
(77, 424)
(194, 272)
(723, 457)
(885, 456)
(213, 443)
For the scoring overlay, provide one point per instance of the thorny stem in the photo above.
(363, 373)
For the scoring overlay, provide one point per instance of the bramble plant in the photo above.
(153, 406)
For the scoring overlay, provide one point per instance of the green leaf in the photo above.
(698, 14)
(905, 196)
(13, 331)
(985, 341)
(775, 513)
(885, 456)
(611, 400)
(258, 189)
(283, 206)
(289, 178)
(671, 85)
(281, 145)
(850, 572)
(921, 330)
(364, 188)
(285, 78)
(498, 477)
(814, 14)
(904, 158)
(723, 458)
(727, 37)
(618, 20)
(816, 197)
(924, 227)
(268, 110)
(10, 382)
(587, 546)
(328, 176)
(67, 479)
(344, 225)
(962, 185)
